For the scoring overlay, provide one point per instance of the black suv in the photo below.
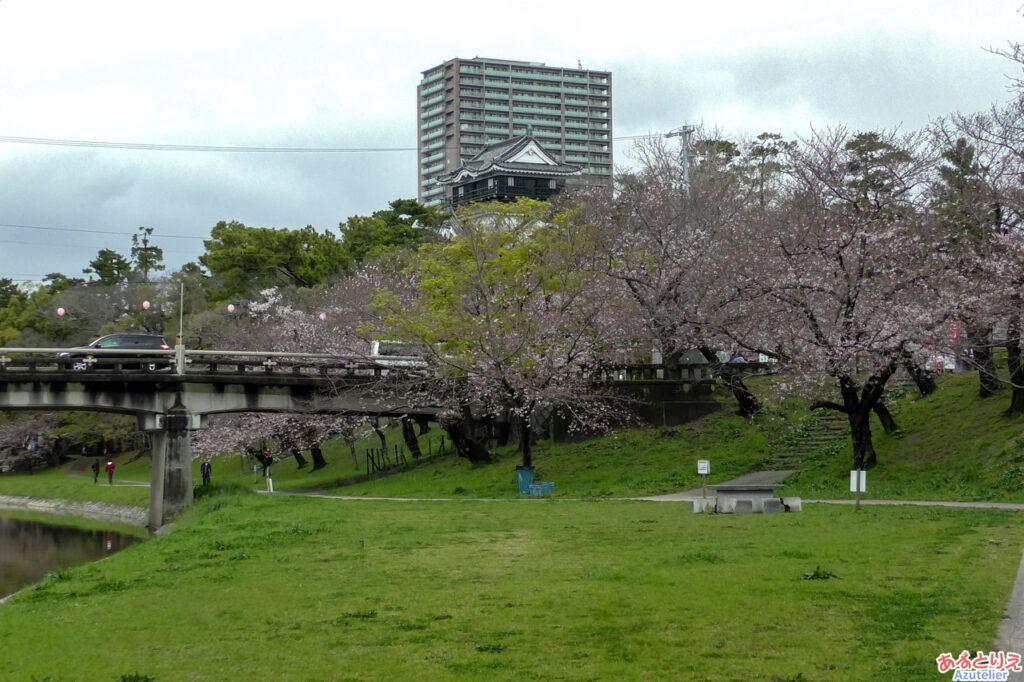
(80, 359)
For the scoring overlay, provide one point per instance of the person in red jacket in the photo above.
(110, 471)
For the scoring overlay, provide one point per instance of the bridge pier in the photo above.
(170, 488)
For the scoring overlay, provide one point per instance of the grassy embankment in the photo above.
(284, 587)
(951, 446)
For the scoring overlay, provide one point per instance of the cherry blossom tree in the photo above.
(667, 244)
(510, 314)
(990, 210)
(848, 274)
(28, 441)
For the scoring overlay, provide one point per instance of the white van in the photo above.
(396, 353)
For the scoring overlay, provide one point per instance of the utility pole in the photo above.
(684, 132)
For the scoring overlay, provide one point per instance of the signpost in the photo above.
(704, 468)
(858, 484)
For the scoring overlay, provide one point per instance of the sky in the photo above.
(342, 77)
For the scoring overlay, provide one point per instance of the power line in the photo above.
(86, 230)
(150, 146)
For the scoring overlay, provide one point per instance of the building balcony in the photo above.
(544, 76)
(428, 92)
(533, 109)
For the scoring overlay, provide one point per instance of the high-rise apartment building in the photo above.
(465, 104)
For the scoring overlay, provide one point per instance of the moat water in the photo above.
(29, 550)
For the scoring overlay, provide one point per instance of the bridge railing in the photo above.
(64, 359)
(182, 361)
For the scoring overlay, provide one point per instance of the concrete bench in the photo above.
(746, 499)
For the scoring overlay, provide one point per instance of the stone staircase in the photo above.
(819, 429)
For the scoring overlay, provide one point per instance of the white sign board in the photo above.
(703, 467)
(858, 481)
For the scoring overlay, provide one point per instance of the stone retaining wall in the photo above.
(97, 511)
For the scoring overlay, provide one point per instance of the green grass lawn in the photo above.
(292, 588)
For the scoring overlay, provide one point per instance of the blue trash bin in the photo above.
(525, 477)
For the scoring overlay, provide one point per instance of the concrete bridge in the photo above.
(173, 392)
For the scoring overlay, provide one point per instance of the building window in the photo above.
(551, 184)
(511, 181)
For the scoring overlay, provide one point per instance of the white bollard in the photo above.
(270, 484)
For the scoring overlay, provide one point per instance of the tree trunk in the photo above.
(745, 399)
(884, 416)
(466, 446)
(860, 432)
(318, 457)
(858, 403)
(980, 340)
(424, 425)
(350, 440)
(923, 378)
(409, 435)
(1013, 362)
(732, 377)
(525, 440)
(299, 459)
(380, 434)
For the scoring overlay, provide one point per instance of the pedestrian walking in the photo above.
(110, 471)
(204, 469)
(95, 470)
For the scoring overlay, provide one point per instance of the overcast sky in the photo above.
(314, 74)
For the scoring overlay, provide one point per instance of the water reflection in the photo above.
(29, 550)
